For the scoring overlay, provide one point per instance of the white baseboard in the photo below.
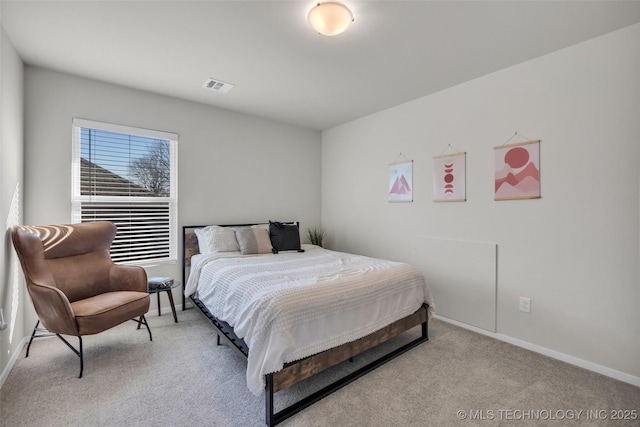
(13, 360)
(594, 367)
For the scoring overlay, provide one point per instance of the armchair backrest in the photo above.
(73, 258)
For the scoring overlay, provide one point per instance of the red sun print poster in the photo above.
(517, 171)
(401, 182)
(449, 178)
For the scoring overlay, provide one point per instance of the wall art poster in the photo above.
(517, 171)
(401, 182)
(449, 178)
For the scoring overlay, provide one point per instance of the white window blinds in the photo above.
(127, 176)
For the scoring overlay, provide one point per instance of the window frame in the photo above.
(77, 199)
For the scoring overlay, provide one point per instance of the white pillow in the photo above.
(216, 239)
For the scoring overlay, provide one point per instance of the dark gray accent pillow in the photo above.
(284, 237)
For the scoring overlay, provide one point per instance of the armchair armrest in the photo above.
(128, 278)
(54, 309)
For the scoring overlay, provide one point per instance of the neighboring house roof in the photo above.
(98, 181)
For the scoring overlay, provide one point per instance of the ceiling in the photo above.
(394, 52)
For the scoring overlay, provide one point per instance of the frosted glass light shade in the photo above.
(330, 18)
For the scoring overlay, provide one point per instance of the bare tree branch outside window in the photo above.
(154, 170)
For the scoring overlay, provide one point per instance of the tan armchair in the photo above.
(75, 287)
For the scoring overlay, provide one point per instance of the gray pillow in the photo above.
(253, 240)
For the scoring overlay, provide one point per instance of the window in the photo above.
(127, 176)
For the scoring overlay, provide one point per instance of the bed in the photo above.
(293, 310)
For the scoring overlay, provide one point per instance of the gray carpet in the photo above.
(183, 379)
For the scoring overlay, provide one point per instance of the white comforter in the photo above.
(293, 305)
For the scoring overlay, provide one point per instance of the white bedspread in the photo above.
(293, 305)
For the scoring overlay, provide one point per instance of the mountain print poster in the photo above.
(401, 182)
(449, 178)
(517, 171)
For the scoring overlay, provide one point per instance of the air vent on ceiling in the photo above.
(217, 85)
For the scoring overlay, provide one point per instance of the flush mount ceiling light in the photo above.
(330, 18)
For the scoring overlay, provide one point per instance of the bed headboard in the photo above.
(190, 241)
(190, 246)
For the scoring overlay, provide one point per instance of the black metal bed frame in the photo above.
(226, 332)
(272, 418)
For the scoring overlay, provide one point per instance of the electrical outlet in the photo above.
(525, 304)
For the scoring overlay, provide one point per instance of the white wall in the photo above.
(233, 168)
(575, 251)
(12, 295)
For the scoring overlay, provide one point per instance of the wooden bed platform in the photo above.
(300, 370)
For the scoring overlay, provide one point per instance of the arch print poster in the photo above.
(517, 171)
(401, 181)
(449, 178)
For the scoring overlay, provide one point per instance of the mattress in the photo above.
(292, 305)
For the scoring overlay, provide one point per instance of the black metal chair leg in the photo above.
(78, 351)
(81, 357)
(144, 320)
(33, 335)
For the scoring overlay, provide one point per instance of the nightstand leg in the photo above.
(173, 307)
